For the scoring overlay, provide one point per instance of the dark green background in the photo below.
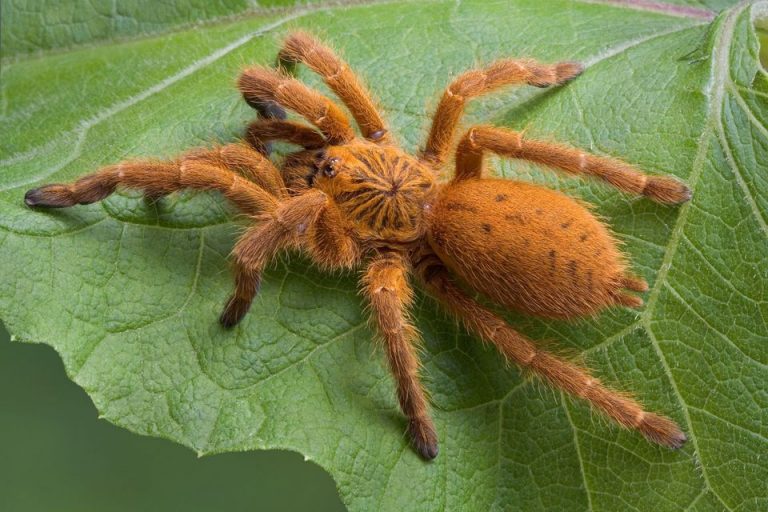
(56, 455)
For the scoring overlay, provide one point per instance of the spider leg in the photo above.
(559, 373)
(469, 159)
(308, 218)
(245, 161)
(259, 84)
(247, 284)
(263, 131)
(329, 241)
(296, 166)
(386, 287)
(302, 47)
(159, 178)
(267, 109)
(297, 169)
(481, 81)
(254, 250)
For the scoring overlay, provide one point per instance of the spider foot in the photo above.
(49, 196)
(666, 190)
(268, 109)
(557, 74)
(423, 438)
(234, 311)
(567, 71)
(663, 431)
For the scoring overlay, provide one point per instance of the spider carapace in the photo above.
(358, 201)
(381, 191)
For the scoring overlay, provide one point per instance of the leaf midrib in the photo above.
(716, 90)
(589, 62)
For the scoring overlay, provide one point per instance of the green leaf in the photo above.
(38, 25)
(129, 293)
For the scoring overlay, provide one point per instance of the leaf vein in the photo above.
(751, 433)
(579, 455)
(721, 335)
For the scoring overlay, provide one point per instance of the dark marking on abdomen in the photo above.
(458, 207)
(572, 267)
(487, 228)
(516, 218)
(552, 262)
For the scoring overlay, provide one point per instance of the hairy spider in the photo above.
(352, 202)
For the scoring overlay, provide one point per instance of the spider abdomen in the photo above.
(529, 248)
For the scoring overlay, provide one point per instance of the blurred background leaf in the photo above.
(56, 456)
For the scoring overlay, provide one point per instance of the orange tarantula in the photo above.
(361, 202)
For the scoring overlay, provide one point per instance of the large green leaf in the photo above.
(38, 25)
(129, 293)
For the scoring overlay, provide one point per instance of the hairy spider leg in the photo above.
(157, 178)
(296, 169)
(259, 84)
(561, 374)
(221, 169)
(256, 248)
(476, 82)
(386, 287)
(263, 131)
(512, 144)
(302, 47)
(309, 221)
(246, 161)
(296, 166)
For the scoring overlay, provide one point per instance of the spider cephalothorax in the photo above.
(361, 202)
(381, 191)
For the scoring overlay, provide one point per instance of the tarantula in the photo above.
(361, 202)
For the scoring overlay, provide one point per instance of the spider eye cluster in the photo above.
(328, 167)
